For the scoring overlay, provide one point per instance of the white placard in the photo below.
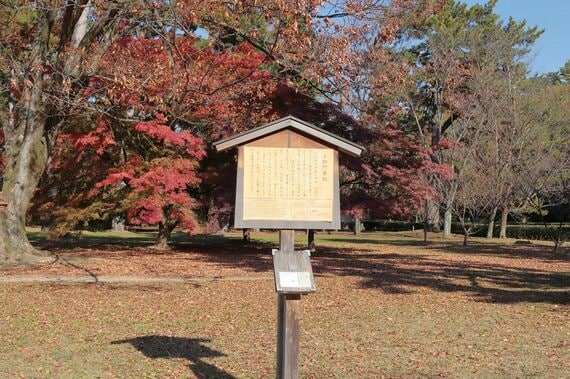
(295, 279)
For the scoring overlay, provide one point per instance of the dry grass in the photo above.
(386, 305)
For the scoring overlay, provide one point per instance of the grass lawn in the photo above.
(386, 305)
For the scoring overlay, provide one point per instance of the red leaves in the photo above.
(97, 139)
(391, 179)
(158, 130)
(166, 176)
(158, 190)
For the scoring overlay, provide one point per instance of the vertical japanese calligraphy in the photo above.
(293, 184)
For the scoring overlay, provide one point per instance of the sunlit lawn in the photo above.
(386, 305)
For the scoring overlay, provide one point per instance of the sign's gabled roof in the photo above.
(294, 123)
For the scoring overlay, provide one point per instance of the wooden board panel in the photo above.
(287, 181)
(289, 184)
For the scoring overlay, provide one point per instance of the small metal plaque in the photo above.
(293, 271)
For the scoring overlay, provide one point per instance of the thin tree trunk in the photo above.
(118, 224)
(164, 232)
(357, 226)
(504, 220)
(491, 225)
(465, 229)
(558, 237)
(433, 216)
(447, 223)
(426, 226)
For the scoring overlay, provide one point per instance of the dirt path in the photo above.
(106, 279)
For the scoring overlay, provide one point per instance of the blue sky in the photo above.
(552, 50)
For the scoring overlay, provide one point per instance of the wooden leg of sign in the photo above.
(289, 327)
(288, 322)
(311, 239)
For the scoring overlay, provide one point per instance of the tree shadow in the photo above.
(455, 246)
(179, 242)
(531, 251)
(372, 241)
(405, 273)
(486, 281)
(439, 265)
(191, 349)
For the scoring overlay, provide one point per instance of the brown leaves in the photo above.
(387, 307)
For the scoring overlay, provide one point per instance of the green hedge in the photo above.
(527, 232)
(382, 225)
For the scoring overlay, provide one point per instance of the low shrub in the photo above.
(527, 232)
(523, 232)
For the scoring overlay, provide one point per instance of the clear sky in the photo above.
(552, 50)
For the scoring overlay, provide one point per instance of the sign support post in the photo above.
(288, 321)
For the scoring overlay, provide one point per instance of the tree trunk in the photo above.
(557, 245)
(28, 130)
(491, 225)
(447, 223)
(504, 219)
(433, 216)
(26, 152)
(426, 222)
(465, 237)
(223, 230)
(357, 226)
(311, 239)
(26, 159)
(164, 232)
(118, 224)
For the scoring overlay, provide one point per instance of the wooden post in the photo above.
(311, 239)
(246, 235)
(288, 321)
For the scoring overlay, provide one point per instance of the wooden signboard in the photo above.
(288, 178)
(288, 175)
(287, 181)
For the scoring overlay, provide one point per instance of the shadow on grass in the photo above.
(405, 273)
(131, 240)
(370, 241)
(399, 273)
(443, 266)
(531, 251)
(191, 349)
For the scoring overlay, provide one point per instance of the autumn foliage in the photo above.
(144, 169)
(136, 99)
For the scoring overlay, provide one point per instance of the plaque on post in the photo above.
(288, 179)
(293, 272)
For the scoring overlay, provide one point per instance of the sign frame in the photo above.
(289, 139)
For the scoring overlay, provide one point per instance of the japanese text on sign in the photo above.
(288, 184)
